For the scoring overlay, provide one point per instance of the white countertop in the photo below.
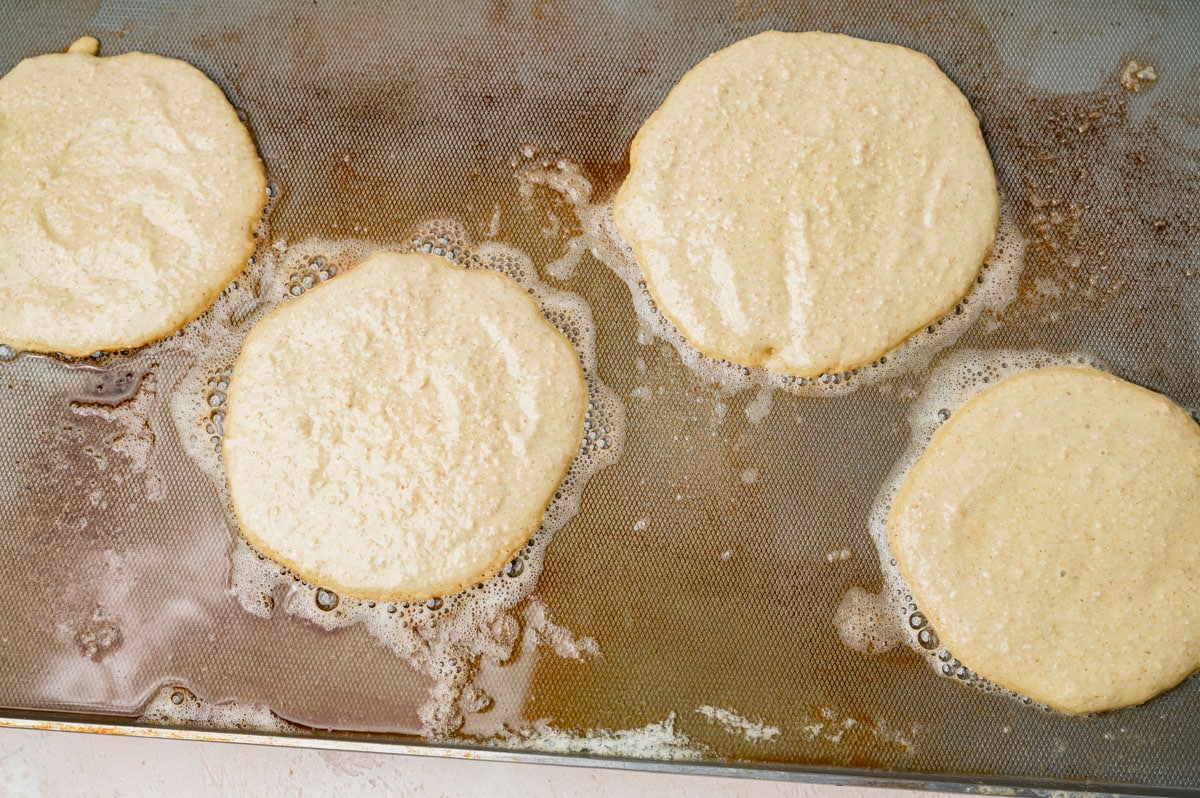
(35, 763)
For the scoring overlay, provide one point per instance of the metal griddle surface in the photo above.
(372, 118)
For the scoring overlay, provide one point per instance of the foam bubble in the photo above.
(956, 380)
(446, 637)
(838, 555)
(753, 731)
(127, 408)
(178, 706)
(866, 622)
(758, 410)
(993, 290)
(642, 392)
(828, 726)
(652, 741)
(563, 268)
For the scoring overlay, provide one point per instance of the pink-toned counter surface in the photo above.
(35, 763)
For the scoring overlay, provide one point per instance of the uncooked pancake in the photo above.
(398, 432)
(806, 201)
(129, 191)
(1051, 533)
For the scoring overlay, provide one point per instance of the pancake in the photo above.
(807, 201)
(1051, 533)
(397, 432)
(130, 194)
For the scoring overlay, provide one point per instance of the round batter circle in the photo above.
(131, 191)
(398, 432)
(1050, 531)
(807, 201)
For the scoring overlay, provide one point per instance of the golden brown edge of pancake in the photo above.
(206, 298)
(446, 587)
(767, 356)
(930, 612)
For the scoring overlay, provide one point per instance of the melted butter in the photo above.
(448, 637)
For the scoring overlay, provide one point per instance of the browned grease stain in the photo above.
(1083, 231)
(418, 124)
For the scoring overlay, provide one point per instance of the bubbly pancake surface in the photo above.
(130, 192)
(806, 201)
(1051, 533)
(398, 431)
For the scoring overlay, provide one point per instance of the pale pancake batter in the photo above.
(806, 201)
(129, 194)
(398, 432)
(1051, 533)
